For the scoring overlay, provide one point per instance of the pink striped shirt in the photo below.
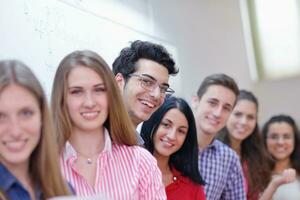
(123, 172)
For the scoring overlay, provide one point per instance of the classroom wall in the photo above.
(210, 39)
(205, 36)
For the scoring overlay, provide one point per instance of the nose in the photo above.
(243, 120)
(218, 111)
(155, 92)
(15, 129)
(280, 140)
(89, 100)
(171, 134)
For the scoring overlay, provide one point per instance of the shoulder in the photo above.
(225, 151)
(135, 153)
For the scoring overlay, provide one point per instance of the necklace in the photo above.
(89, 159)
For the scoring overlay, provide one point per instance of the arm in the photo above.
(288, 175)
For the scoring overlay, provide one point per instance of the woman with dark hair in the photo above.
(242, 134)
(282, 140)
(170, 135)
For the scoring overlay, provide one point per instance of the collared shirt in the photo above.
(221, 170)
(12, 188)
(123, 172)
(183, 187)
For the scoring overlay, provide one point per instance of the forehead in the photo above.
(11, 95)
(83, 76)
(220, 93)
(152, 68)
(280, 128)
(245, 106)
(176, 116)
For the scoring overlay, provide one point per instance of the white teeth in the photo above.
(148, 104)
(89, 114)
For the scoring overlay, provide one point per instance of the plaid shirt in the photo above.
(221, 169)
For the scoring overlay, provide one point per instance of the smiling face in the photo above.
(140, 102)
(242, 120)
(213, 109)
(280, 140)
(20, 125)
(86, 99)
(171, 133)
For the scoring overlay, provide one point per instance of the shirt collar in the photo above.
(8, 180)
(213, 145)
(69, 150)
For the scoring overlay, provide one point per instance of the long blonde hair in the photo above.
(44, 158)
(118, 123)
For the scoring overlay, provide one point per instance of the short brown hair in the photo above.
(218, 79)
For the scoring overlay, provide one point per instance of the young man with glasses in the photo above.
(142, 73)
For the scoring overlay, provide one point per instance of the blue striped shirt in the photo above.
(12, 188)
(221, 169)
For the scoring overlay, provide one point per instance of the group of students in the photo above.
(88, 144)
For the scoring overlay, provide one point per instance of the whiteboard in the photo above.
(41, 33)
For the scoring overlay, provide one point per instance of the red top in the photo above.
(184, 188)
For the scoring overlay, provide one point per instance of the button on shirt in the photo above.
(221, 170)
(12, 188)
(123, 172)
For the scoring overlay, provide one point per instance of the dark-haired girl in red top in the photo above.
(170, 135)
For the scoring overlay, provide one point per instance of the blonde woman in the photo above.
(29, 167)
(97, 139)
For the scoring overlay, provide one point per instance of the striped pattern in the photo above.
(123, 172)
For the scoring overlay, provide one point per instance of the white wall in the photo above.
(205, 36)
(209, 38)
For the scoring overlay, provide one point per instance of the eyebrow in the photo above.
(151, 77)
(170, 121)
(79, 87)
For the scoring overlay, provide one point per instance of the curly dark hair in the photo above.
(125, 63)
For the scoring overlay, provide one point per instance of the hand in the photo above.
(287, 176)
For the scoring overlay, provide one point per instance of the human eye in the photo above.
(164, 88)
(287, 136)
(237, 114)
(274, 137)
(212, 102)
(26, 112)
(76, 91)
(228, 108)
(165, 124)
(100, 89)
(3, 116)
(182, 131)
(250, 117)
(147, 82)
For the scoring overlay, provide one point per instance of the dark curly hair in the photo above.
(125, 63)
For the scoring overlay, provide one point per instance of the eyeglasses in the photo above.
(150, 84)
(276, 138)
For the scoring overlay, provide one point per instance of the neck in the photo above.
(163, 163)
(235, 145)
(87, 143)
(282, 165)
(204, 139)
(21, 172)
